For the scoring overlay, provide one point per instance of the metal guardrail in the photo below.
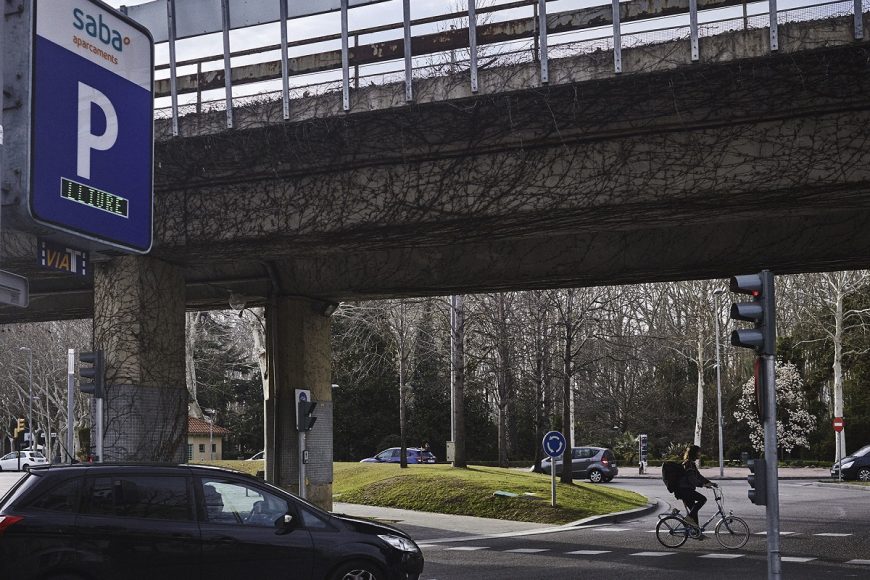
(537, 38)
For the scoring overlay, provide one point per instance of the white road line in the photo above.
(612, 529)
(468, 548)
(796, 559)
(781, 533)
(862, 562)
(588, 552)
(653, 554)
(528, 550)
(421, 546)
(833, 535)
(722, 556)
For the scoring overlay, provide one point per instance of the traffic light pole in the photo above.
(70, 404)
(774, 563)
(302, 464)
(98, 403)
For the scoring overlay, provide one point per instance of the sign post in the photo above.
(554, 446)
(838, 425)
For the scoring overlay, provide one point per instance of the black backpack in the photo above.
(672, 472)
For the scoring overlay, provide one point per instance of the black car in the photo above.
(855, 466)
(109, 521)
(597, 464)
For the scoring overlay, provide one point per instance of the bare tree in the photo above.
(820, 299)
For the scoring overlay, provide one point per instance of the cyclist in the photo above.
(692, 479)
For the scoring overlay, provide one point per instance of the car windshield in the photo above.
(862, 452)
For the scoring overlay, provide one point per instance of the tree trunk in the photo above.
(566, 407)
(839, 438)
(457, 378)
(699, 413)
(403, 457)
(193, 320)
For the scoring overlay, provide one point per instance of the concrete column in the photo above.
(139, 323)
(301, 358)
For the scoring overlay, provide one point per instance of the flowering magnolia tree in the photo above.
(793, 421)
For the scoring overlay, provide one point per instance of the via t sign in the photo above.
(92, 124)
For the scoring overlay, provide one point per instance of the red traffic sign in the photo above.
(838, 424)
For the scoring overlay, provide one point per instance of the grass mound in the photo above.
(443, 489)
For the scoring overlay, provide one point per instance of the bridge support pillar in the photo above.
(139, 323)
(300, 354)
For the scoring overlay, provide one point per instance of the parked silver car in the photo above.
(597, 464)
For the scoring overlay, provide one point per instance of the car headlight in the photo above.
(399, 543)
(847, 465)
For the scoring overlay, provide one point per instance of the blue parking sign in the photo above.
(92, 121)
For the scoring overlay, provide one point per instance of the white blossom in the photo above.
(793, 420)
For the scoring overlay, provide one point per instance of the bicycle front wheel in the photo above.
(732, 532)
(672, 532)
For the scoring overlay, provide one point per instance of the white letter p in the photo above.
(86, 139)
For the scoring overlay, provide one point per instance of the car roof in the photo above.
(128, 467)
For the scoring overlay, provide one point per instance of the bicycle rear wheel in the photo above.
(732, 532)
(672, 532)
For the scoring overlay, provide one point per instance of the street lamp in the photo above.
(716, 293)
(210, 414)
(30, 390)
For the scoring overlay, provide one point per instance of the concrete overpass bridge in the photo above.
(683, 164)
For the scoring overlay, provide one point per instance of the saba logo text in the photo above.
(96, 28)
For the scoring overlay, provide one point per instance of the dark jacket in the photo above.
(692, 477)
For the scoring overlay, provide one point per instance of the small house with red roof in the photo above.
(204, 440)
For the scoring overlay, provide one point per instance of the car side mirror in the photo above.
(284, 524)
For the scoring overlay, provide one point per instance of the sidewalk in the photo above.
(817, 473)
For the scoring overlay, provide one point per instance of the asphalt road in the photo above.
(825, 533)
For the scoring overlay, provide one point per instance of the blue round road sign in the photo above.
(554, 444)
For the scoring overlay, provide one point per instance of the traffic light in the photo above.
(757, 481)
(19, 428)
(96, 373)
(304, 420)
(761, 311)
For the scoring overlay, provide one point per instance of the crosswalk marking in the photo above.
(653, 554)
(528, 550)
(796, 559)
(862, 562)
(468, 548)
(833, 535)
(588, 552)
(722, 556)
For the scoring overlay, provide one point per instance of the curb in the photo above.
(843, 486)
(616, 516)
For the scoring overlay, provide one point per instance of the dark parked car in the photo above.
(141, 522)
(855, 466)
(596, 464)
(393, 455)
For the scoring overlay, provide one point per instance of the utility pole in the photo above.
(716, 293)
(30, 391)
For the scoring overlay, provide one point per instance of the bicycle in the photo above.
(674, 529)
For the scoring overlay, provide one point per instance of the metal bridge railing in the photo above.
(495, 38)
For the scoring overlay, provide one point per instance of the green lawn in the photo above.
(470, 492)
(443, 489)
